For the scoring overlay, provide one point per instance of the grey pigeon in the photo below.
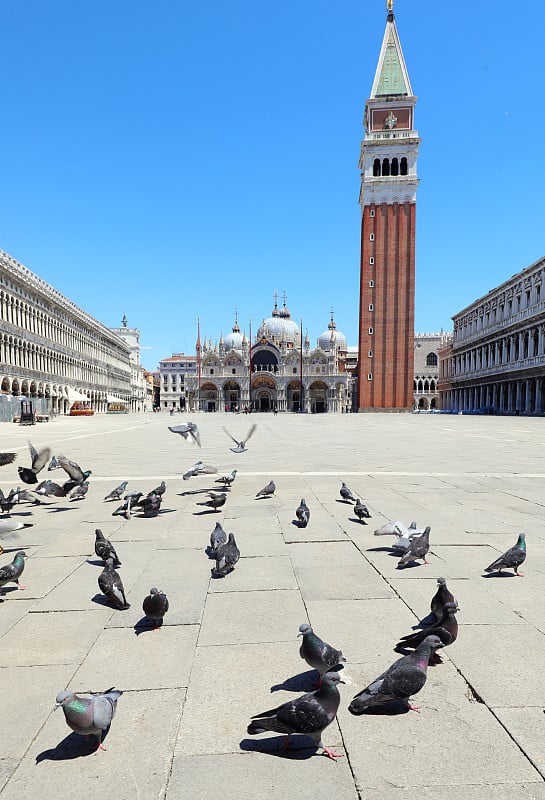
(396, 528)
(7, 458)
(75, 472)
(125, 510)
(318, 654)
(159, 490)
(116, 493)
(53, 464)
(7, 503)
(240, 447)
(155, 606)
(105, 549)
(89, 716)
(80, 491)
(199, 468)
(216, 501)
(511, 559)
(39, 460)
(403, 678)
(227, 480)
(49, 488)
(217, 538)
(440, 598)
(187, 430)
(419, 548)
(267, 490)
(347, 494)
(446, 629)
(361, 511)
(23, 496)
(309, 714)
(11, 573)
(302, 512)
(403, 542)
(227, 556)
(111, 585)
(150, 504)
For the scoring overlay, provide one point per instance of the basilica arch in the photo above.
(264, 394)
(317, 392)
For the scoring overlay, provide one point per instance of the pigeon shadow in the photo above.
(499, 575)
(345, 502)
(303, 682)
(391, 710)
(102, 600)
(298, 523)
(263, 497)
(73, 746)
(56, 509)
(206, 511)
(96, 563)
(145, 625)
(199, 491)
(359, 521)
(11, 514)
(275, 746)
(380, 550)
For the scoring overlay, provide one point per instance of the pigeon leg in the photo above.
(22, 587)
(331, 754)
(519, 574)
(427, 562)
(412, 707)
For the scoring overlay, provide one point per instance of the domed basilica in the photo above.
(286, 374)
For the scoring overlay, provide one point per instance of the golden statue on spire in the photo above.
(390, 5)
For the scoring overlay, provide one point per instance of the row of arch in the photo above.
(390, 167)
(265, 395)
(525, 344)
(522, 396)
(424, 385)
(57, 396)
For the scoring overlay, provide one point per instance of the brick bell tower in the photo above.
(389, 152)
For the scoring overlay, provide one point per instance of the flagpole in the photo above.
(302, 407)
(199, 363)
(250, 378)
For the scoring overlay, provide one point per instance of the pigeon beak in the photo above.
(56, 706)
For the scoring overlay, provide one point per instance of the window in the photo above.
(371, 237)
(370, 306)
(403, 167)
(370, 331)
(376, 169)
(385, 166)
(431, 360)
(372, 260)
(234, 371)
(369, 376)
(372, 212)
(211, 371)
(369, 354)
(294, 370)
(371, 284)
(395, 167)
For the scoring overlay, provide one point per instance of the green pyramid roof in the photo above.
(391, 77)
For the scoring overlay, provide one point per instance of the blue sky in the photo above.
(171, 160)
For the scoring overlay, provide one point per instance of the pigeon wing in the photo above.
(7, 458)
(39, 458)
(73, 469)
(229, 435)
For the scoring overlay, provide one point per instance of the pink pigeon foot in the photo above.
(519, 574)
(414, 708)
(331, 754)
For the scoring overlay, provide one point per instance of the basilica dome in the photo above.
(280, 327)
(332, 334)
(233, 341)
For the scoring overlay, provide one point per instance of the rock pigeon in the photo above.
(511, 559)
(361, 511)
(217, 538)
(159, 490)
(116, 493)
(22, 496)
(446, 630)
(199, 468)
(7, 458)
(53, 464)
(440, 598)
(75, 472)
(227, 556)
(396, 528)
(216, 501)
(125, 509)
(419, 547)
(267, 490)
(318, 654)
(187, 429)
(49, 488)
(10, 573)
(240, 446)
(80, 491)
(403, 678)
(309, 714)
(347, 494)
(105, 549)
(39, 460)
(150, 504)
(227, 480)
(302, 512)
(7, 503)
(155, 606)
(111, 585)
(89, 716)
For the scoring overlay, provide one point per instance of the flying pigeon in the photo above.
(403, 542)
(7, 503)
(216, 501)
(7, 458)
(361, 511)
(396, 528)
(22, 496)
(309, 714)
(440, 598)
(53, 464)
(80, 491)
(446, 630)
(318, 654)
(227, 556)
(39, 460)
(187, 429)
(302, 512)
(240, 446)
(227, 480)
(217, 538)
(89, 716)
(74, 471)
(155, 606)
(116, 493)
(403, 678)
(199, 468)
(11, 573)
(511, 559)
(347, 494)
(267, 490)
(105, 549)
(10, 525)
(48, 488)
(111, 585)
(419, 547)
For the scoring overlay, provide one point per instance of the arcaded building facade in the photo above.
(426, 370)
(52, 351)
(495, 360)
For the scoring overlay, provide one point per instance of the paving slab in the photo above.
(259, 574)
(525, 725)
(479, 791)
(66, 764)
(40, 577)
